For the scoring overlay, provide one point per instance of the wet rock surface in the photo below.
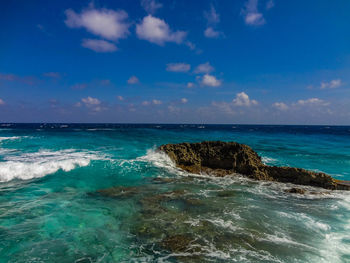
(222, 158)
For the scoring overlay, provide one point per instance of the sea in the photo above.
(103, 193)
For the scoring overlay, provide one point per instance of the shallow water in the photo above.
(51, 210)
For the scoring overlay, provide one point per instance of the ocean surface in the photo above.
(51, 209)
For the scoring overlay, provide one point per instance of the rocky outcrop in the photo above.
(222, 158)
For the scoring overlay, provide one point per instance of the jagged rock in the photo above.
(222, 158)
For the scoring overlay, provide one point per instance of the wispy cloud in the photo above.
(154, 102)
(178, 67)
(251, 14)
(9, 77)
(213, 18)
(204, 68)
(151, 6)
(133, 80)
(312, 102)
(335, 83)
(28, 80)
(212, 15)
(98, 45)
(2, 102)
(157, 31)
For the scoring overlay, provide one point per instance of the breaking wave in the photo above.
(12, 138)
(39, 164)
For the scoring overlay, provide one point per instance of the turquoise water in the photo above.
(51, 210)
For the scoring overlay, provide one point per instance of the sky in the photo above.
(179, 61)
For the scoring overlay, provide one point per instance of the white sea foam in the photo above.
(38, 164)
(10, 138)
(161, 160)
(224, 224)
(268, 160)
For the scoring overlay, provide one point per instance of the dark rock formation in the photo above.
(222, 158)
(295, 191)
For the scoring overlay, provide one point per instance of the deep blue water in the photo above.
(50, 210)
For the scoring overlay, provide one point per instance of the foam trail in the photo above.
(11, 138)
(38, 164)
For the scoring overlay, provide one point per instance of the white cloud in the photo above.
(121, 98)
(151, 6)
(105, 23)
(209, 80)
(242, 99)
(251, 14)
(190, 85)
(312, 102)
(210, 32)
(204, 68)
(335, 83)
(157, 31)
(270, 4)
(184, 100)
(90, 101)
(280, 106)
(146, 103)
(2, 102)
(133, 80)
(99, 45)
(157, 102)
(212, 16)
(178, 67)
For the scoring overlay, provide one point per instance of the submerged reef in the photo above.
(223, 158)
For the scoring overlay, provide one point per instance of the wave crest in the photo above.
(39, 164)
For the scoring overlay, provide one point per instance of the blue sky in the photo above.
(162, 61)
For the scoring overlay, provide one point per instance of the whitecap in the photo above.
(268, 160)
(10, 138)
(160, 160)
(39, 164)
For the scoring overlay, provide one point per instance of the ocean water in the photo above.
(51, 209)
